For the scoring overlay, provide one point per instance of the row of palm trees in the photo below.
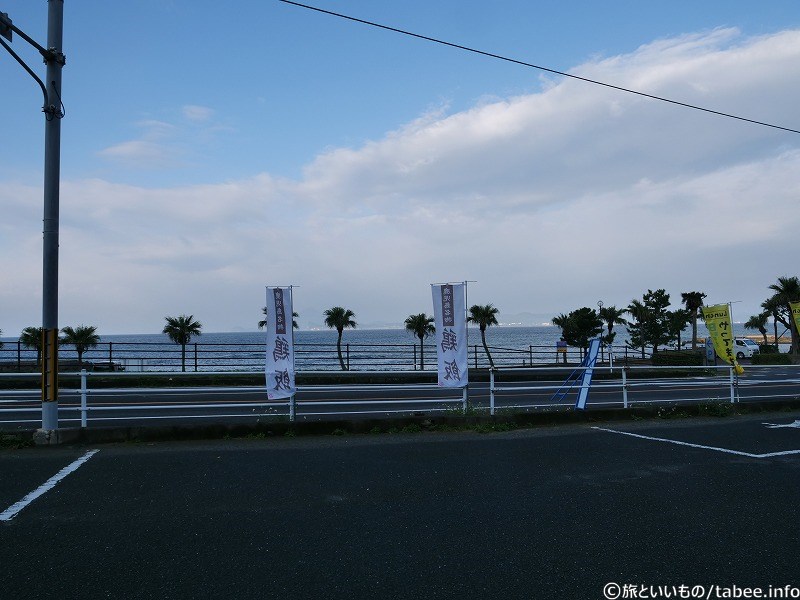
(785, 290)
(652, 324)
(182, 328)
(83, 338)
(421, 325)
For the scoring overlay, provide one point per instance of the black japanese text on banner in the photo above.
(451, 333)
(280, 344)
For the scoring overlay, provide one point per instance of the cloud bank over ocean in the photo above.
(549, 201)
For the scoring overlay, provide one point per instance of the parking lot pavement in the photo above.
(23, 471)
(543, 513)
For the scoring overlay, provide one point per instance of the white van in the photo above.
(745, 348)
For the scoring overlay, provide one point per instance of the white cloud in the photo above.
(550, 201)
(197, 113)
(142, 154)
(162, 145)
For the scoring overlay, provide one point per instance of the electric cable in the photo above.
(541, 68)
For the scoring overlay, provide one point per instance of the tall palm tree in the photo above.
(787, 289)
(611, 315)
(677, 320)
(83, 338)
(759, 322)
(579, 327)
(180, 330)
(771, 306)
(340, 319)
(31, 337)
(693, 301)
(635, 330)
(485, 316)
(263, 323)
(422, 326)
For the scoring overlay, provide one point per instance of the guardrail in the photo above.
(617, 386)
(726, 383)
(290, 405)
(202, 356)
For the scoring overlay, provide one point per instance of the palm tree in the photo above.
(262, 324)
(611, 315)
(485, 316)
(579, 327)
(31, 337)
(759, 322)
(787, 290)
(771, 306)
(677, 320)
(639, 313)
(180, 330)
(422, 326)
(693, 302)
(340, 319)
(83, 338)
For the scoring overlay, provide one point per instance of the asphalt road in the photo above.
(545, 513)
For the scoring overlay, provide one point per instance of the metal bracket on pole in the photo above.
(6, 26)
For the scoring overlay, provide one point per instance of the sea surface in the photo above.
(362, 349)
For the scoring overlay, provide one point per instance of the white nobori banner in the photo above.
(280, 344)
(449, 313)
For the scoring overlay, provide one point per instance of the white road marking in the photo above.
(13, 510)
(795, 425)
(701, 446)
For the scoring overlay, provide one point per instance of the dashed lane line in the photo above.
(13, 510)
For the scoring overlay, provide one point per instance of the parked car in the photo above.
(108, 365)
(745, 348)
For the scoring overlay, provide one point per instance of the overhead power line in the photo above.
(541, 68)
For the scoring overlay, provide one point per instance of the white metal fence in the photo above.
(517, 389)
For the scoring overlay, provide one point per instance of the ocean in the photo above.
(363, 349)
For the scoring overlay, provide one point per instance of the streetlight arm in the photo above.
(28, 69)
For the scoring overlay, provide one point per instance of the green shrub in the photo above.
(772, 359)
(768, 348)
(715, 409)
(678, 358)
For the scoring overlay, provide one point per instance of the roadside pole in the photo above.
(52, 109)
(52, 173)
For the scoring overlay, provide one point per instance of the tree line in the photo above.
(652, 324)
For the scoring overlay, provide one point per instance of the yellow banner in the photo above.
(718, 323)
(795, 306)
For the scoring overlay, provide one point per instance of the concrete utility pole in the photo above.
(52, 174)
(51, 88)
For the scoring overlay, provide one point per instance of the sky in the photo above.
(210, 150)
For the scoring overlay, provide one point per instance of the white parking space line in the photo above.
(13, 510)
(702, 447)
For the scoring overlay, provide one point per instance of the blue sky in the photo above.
(209, 150)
